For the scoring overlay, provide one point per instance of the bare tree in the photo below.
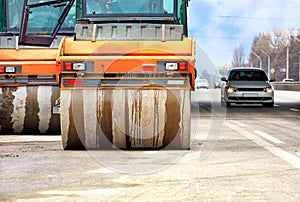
(272, 44)
(238, 57)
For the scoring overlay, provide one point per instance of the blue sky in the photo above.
(219, 26)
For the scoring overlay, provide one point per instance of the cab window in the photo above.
(123, 7)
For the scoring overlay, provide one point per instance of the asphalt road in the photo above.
(241, 153)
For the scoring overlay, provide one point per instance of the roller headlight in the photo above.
(10, 70)
(172, 66)
(79, 66)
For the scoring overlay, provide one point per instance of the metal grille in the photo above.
(250, 89)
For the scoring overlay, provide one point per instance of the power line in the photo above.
(277, 6)
(222, 37)
(233, 17)
(253, 17)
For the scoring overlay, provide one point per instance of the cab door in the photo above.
(41, 21)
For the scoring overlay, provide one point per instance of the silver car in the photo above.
(202, 83)
(247, 85)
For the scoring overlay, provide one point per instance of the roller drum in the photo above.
(125, 119)
(29, 110)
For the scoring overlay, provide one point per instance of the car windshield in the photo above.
(102, 7)
(247, 75)
(202, 81)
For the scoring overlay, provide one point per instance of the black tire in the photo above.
(228, 104)
(225, 104)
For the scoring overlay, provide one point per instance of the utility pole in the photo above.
(269, 61)
(287, 61)
(296, 38)
(287, 57)
(299, 65)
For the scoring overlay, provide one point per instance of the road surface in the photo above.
(241, 153)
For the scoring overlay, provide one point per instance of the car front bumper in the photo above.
(250, 97)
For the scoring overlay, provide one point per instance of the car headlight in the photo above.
(268, 90)
(231, 90)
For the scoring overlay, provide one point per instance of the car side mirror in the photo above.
(272, 80)
(223, 79)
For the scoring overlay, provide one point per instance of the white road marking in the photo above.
(101, 171)
(284, 155)
(241, 124)
(268, 137)
(150, 152)
(29, 138)
(294, 110)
